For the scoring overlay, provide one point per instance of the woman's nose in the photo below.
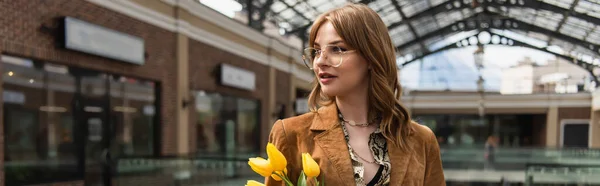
(321, 60)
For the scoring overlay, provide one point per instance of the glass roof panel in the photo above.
(277, 6)
(414, 8)
(566, 46)
(588, 7)
(548, 22)
(580, 24)
(424, 25)
(390, 15)
(290, 2)
(401, 35)
(287, 14)
(437, 2)
(378, 5)
(446, 18)
(538, 36)
(594, 36)
(561, 3)
(572, 31)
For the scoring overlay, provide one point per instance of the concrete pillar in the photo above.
(182, 95)
(291, 104)
(272, 98)
(595, 127)
(552, 125)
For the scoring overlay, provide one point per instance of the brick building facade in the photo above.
(30, 43)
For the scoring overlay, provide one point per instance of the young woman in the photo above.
(357, 130)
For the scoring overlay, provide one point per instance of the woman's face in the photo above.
(350, 76)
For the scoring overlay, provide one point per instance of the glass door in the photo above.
(92, 115)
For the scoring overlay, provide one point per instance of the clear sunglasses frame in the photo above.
(310, 55)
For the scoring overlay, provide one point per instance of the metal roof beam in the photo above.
(586, 66)
(410, 26)
(442, 31)
(537, 5)
(564, 19)
(502, 23)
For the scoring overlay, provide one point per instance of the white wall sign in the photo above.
(13, 97)
(237, 77)
(149, 110)
(93, 39)
(94, 129)
(302, 105)
(203, 102)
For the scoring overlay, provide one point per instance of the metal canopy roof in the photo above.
(566, 28)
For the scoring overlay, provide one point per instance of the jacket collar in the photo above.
(332, 138)
(326, 118)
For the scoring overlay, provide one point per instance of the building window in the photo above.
(55, 118)
(132, 110)
(227, 125)
(38, 122)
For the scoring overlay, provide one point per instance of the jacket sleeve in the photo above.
(278, 137)
(434, 173)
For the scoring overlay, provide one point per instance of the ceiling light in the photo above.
(473, 40)
(495, 39)
(484, 37)
(465, 42)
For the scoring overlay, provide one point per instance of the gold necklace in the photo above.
(352, 123)
(371, 162)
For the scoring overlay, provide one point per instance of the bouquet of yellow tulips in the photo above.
(275, 167)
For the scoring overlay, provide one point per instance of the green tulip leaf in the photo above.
(302, 179)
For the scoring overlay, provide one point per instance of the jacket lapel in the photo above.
(399, 160)
(333, 143)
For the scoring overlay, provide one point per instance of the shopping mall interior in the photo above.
(183, 92)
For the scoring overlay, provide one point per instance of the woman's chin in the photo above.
(330, 91)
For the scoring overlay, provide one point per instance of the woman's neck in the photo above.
(354, 106)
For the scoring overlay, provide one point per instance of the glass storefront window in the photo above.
(512, 130)
(226, 125)
(38, 122)
(65, 123)
(133, 110)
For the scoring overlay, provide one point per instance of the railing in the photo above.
(562, 174)
(523, 165)
(461, 164)
(183, 171)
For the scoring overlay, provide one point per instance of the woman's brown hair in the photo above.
(362, 29)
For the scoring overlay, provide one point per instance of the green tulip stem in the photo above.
(284, 178)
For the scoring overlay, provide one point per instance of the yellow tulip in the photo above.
(254, 183)
(277, 178)
(261, 166)
(276, 158)
(310, 166)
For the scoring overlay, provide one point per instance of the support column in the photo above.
(1, 123)
(595, 120)
(182, 95)
(552, 125)
(291, 108)
(595, 127)
(272, 98)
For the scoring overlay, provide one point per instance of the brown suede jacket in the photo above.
(320, 134)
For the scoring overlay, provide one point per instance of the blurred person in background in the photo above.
(357, 131)
(489, 152)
